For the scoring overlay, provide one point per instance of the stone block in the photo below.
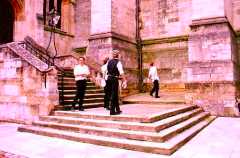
(11, 90)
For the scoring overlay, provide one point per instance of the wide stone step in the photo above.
(68, 104)
(135, 135)
(87, 100)
(88, 91)
(136, 126)
(66, 74)
(151, 147)
(97, 95)
(130, 118)
(71, 78)
(72, 83)
(73, 87)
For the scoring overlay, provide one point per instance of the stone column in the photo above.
(113, 26)
(211, 72)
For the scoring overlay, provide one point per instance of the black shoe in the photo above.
(113, 113)
(157, 97)
(151, 94)
(119, 112)
(107, 108)
(81, 109)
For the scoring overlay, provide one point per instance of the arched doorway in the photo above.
(6, 22)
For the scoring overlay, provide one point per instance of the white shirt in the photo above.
(81, 70)
(120, 68)
(153, 75)
(104, 71)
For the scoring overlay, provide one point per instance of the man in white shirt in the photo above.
(81, 72)
(153, 75)
(115, 72)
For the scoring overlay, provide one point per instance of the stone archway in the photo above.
(6, 22)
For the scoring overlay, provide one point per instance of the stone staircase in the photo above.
(94, 96)
(159, 133)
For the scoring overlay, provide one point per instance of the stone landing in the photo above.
(155, 128)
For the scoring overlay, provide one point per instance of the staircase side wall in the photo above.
(24, 96)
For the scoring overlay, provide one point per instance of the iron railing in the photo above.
(40, 52)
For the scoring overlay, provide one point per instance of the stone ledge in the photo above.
(58, 31)
(112, 35)
(165, 40)
(213, 20)
(187, 84)
(80, 50)
(209, 21)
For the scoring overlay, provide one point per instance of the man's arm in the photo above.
(121, 72)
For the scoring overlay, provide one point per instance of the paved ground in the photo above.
(221, 139)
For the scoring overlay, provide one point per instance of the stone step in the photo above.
(69, 83)
(73, 87)
(136, 126)
(159, 101)
(85, 105)
(87, 100)
(130, 118)
(66, 73)
(71, 78)
(135, 135)
(97, 95)
(67, 106)
(166, 148)
(88, 91)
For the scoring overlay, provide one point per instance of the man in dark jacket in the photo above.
(115, 72)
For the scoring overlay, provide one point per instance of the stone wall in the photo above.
(26, 92)
(83, 23)
(170, 56)
(165, 18)
(124, 18)
(129, 59)
(236, 13)
(29, 22)
(211, 72)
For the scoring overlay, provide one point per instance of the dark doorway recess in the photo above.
(6, 22)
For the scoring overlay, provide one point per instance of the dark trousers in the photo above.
(107, 94)
(81, 87)
(155, 88)
(113, 91)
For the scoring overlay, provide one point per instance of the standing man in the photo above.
(106, 87)
(153, 75)
(81, 72)
(115, 72)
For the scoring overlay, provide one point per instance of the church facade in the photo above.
(193, 43)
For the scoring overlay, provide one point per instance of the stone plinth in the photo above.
(210, 74)
(26, 92)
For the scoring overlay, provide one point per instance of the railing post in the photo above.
(62, 89)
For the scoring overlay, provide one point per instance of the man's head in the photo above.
(115, 53)
(151, 64)
(81, 60)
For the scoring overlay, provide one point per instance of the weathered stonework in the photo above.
(211, 70)
(26, 92)
(170, 56)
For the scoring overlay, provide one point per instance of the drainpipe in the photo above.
(139, 47)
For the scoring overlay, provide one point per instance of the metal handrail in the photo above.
(40, 52)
